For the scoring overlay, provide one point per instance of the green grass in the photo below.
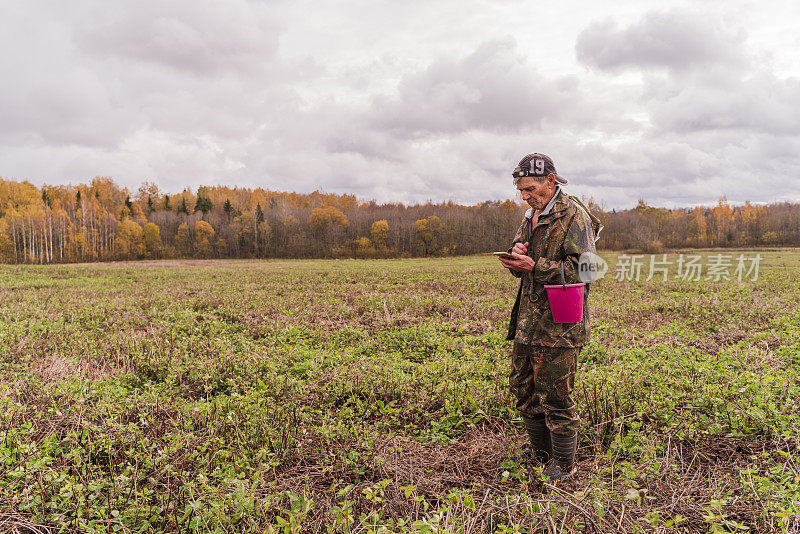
(372, 396)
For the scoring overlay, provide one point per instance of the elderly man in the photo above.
(557, 229)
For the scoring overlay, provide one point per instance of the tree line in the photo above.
(102, 221)
(649, 229)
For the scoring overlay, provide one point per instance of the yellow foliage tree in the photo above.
(6, 246)
(76, 243)
(137, 213)
(291, 222)
(722, 216)
(129, 242)
(244, 225)
(264, 235)
(18, 195)
(379, 233)
(429, 233)
(751, 219)
(321, 219)
(698, 229)
(152, 240)
(183, 241)
(203, 238)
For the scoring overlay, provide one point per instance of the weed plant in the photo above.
(372, 396)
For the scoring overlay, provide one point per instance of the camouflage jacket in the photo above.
(563, 233)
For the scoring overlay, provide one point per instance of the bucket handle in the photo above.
(563, 281)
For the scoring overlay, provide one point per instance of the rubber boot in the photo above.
(538, 433)
(563, 464)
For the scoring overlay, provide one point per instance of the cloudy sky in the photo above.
(678, 103)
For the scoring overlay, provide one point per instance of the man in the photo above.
(544, 358)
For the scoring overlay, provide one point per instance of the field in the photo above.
(372, 396)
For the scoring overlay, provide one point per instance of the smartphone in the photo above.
(504, 255)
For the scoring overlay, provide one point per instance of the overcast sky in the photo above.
(675, 102)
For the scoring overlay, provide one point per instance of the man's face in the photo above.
(537, 194)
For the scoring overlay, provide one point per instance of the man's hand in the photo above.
(520, 248)
(521, 262)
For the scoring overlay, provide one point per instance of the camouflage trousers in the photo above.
(542, 379)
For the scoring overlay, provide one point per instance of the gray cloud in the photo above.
(716, 121)
(95, 74)
(398, 103)
(204, 37)
(757, 101)
(674, 39)
(492, 88)
(47, 96)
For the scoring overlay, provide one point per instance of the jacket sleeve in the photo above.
(518, 238)
(579, 239)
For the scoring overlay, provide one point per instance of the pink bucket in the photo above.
(566, 302)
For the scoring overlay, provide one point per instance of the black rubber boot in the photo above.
(563, 464)
(539, 448)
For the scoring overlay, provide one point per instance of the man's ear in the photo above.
(551, 179)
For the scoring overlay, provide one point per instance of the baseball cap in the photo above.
(537, 165)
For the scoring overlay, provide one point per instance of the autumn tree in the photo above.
(263, 237)
(327, 224)
(6, 246)
(129, 242)
(698, 229)
(430, 234)
(204, 239)
(378, 233)
(182, 207)
(17, 195)
(152, 240)
(203, 202)
(245, 229)
(722, 222)
(750, 220)
(137, 214)
(97, 221)
(183, 241)
(147, 196)
(364, 248)
(322, 219)
(288, 231)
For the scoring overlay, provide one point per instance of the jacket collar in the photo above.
(561, 204)
(549, 207)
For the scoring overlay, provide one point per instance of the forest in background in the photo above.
(102, 221)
